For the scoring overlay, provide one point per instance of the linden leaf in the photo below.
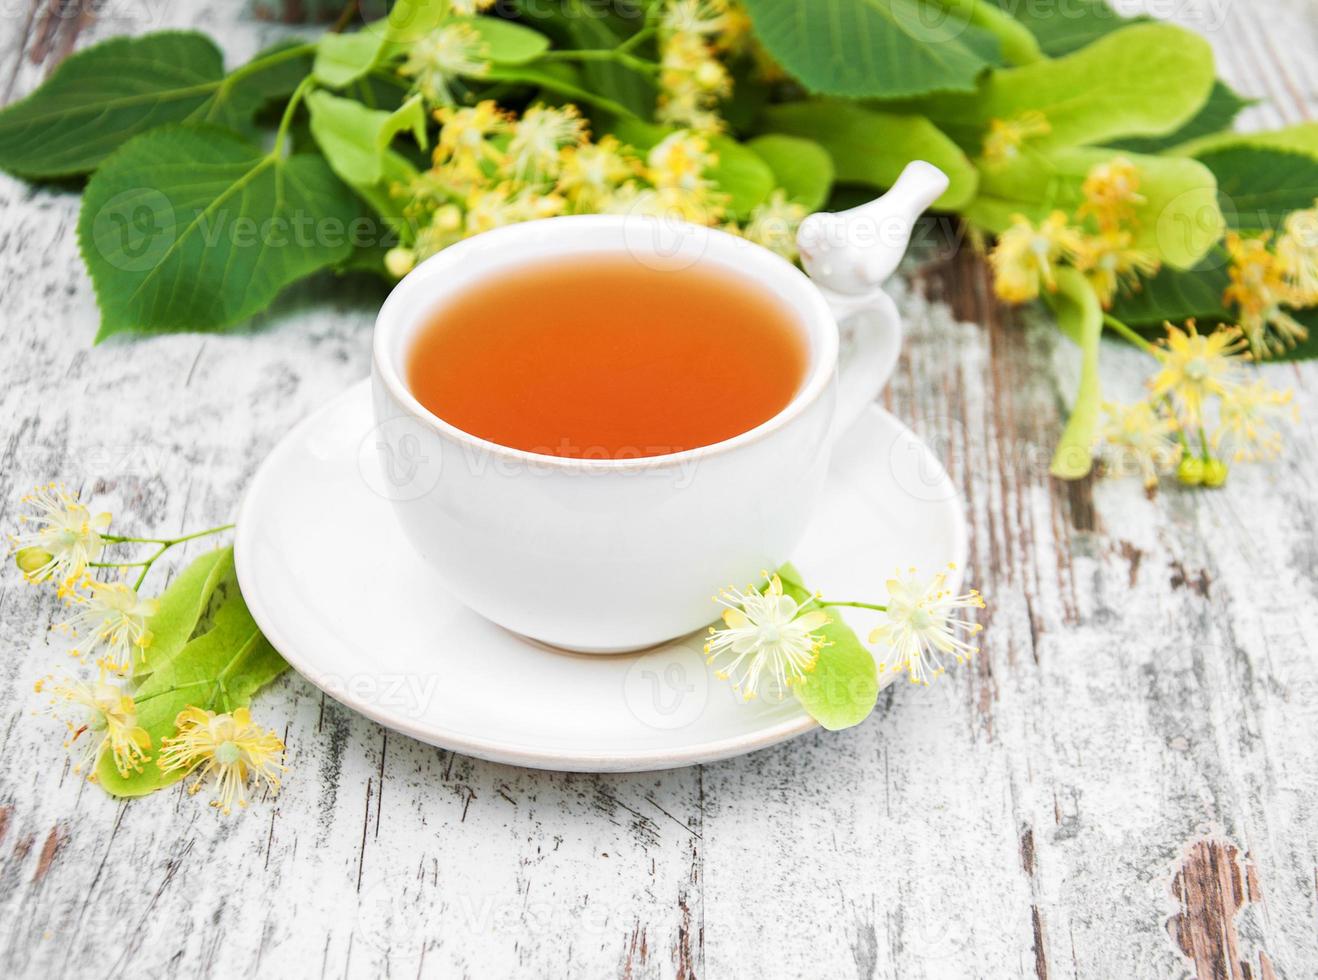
(1177, 295)
(218, 671)
(343, 58)
(505, 42)
(1259, 187)
(1155, 78)
(876, 48)
(1217, 114)
(182, 606)
(102, 96)
(354, 138)
(801, 167)
(1300, 138)
(842, 689)
(870, 147)
(1179, 221)
(1065, 27)
(194, 229)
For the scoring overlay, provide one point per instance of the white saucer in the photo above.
(338, 590)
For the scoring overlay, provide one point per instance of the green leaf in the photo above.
(740, 172)
(875, 48)
(842, 689)
(507, 43)
(1081, 318)
(1179, 220)
(354, 138)
(1176, 295)
(1154, 79)
(103, 96)
(1217, 114)
(870, 147)
(587, 29)
(220, 670)
(801, 167)
(182, 607)
(1258, 187)
(1300, 138)
(1065, 27)
(344, 58)
(194, 229)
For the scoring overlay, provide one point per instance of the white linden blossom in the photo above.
(110, 617)
(773, 224)
(700, 17)
(766, 636)
(60, 538)
(107, 717)
(443, 55)
(1137, 440)
(538, 138)
(921, 626)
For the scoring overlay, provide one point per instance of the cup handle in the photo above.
(876, 333)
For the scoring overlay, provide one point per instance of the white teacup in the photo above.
(610, 555)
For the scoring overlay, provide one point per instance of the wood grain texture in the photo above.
(1123, 785)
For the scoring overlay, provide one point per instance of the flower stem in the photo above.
(616, 55)
(163, 545)
(1129, 334)
(854, 605)
(286, 120)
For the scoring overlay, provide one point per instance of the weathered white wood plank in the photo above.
(1136, 743)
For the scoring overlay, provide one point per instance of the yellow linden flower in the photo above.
(1137, 440)
(680, 161)
(538, 138)
(444, 54)
(1297, 256)
(773, 224)
(469, 8)
(1258, 288)
(229, 747)
(1197, 366)
(60, 538)
(698, 17)
(1110, 260)
(445, 228)
(502, 205)
(700, 206)
(107, 716)
(592, 173)
(1250, 420)
(1024, 256)
(464, 139)
(1005, 137)
(111, 616)
(1111, 192)
(766, 637)
(922, 625)
(735, 35)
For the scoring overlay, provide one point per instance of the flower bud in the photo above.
(399, 261)
(32, 560)
(1215, 472)
(448, 218)
(1191, 471)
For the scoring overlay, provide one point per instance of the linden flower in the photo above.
(60, 538)
(464, 139)
(699, 207)
(1297, 256)
(539, 136)
(108, 717)
(773, 224)
(228, 746)
(1024, 256)
(680, 160)
(1005, 137)
(590, 174)
(698, 17)
(1251, 417)
(766, 636)
(1137, 441)
(1196, 366)
(1110, 260)
(1111, 192)
(1258, 287)
(112, 617)
(691, 81)
(921, 626)
(443, 55)
(469, 8)
(501, 205)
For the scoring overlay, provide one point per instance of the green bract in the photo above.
(801, 167)
(354, 138)
(1081, 318)
(182, 607)
(842, 689)
(193, 229)
(876, 48)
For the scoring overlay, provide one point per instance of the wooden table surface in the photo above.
(1123, 785)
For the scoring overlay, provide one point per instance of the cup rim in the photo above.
(759, 263)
